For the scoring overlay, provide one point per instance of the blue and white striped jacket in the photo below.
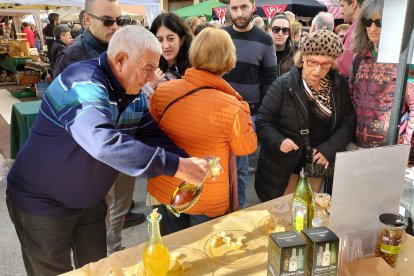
(79, 143)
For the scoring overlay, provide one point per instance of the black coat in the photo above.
(277, 120)
(57, 47)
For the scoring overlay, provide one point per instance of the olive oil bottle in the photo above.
(302, 205)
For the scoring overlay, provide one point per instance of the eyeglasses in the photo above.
(108, 22)
(367, 22)
(324, 65)
(277, 29)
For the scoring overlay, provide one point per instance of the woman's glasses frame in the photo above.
(367, 22)
(277, 29)
(108, 22)
(315, 63)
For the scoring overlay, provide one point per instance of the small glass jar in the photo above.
(390, 234)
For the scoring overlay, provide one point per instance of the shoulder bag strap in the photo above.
(179, 98)
(304, 131)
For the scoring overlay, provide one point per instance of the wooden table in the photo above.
(248, 220)
(39, 66)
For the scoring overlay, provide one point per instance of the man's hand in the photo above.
(193, 170)
(158, 76)
(288, 145)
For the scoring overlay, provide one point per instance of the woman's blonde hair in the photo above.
(213, 50)
(192, 22)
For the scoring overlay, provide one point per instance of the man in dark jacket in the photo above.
(48, 32)
(62, 38)
(102, 19)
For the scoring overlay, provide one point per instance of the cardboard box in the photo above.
(322, 246)
(25, 78)
(370, 267)
(286, 254)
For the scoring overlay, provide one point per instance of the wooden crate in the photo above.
(25, 78)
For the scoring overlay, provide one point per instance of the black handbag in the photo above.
(311, 168)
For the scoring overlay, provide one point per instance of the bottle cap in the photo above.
(154, 215)
(302, 172)
(392, 220)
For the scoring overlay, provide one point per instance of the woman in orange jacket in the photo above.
(214, 121)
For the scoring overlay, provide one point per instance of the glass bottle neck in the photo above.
(154, 230)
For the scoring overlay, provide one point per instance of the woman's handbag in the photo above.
(312, 169)
(318, 171)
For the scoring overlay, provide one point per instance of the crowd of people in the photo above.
(128, 102)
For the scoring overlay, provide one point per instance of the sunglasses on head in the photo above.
(277, 29)
(108, 22)
(367, 22)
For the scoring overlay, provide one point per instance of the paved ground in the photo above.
(11, 262)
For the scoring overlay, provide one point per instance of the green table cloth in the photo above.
(10, 63)
(23, 116)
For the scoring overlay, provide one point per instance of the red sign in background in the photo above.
(270, 11)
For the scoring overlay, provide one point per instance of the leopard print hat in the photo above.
(322, 42)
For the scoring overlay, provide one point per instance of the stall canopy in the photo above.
(333, 7)
(152, 7)
(204, 8)
(16, 13)
(305, 8)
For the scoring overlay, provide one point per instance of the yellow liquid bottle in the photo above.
(187, 194)
(156, 257)
(302, 205)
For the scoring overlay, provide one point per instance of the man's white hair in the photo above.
(133, 40)
(323, 19)
(258, 21)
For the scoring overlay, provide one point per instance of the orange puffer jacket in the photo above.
(210, 122)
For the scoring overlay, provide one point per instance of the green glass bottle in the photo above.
(333, 254)
(302, 206)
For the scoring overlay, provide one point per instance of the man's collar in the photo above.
(99, 45)
(113, 82)
(245, 30)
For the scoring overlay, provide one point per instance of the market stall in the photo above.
(195, 244)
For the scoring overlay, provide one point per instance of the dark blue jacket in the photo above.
(85, 47)
(76, 146)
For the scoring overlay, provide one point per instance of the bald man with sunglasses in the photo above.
(102, 19)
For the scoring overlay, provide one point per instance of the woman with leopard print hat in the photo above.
(315, 90)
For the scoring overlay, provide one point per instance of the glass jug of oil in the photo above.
(187, 194)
